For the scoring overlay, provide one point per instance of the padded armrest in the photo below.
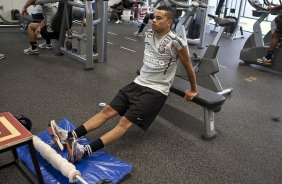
(206, 98)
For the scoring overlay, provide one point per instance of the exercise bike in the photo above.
(255, 47)
(9, 24)
(207, 66)
(192, 24)
(267, 37)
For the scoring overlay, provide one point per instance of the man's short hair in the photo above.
(170, 12)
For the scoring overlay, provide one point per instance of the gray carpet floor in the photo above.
(248, 147)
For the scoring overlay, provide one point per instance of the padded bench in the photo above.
(209, 100)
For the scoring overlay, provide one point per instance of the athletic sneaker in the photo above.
(31, 51)
(137, 34)
(59, 135)
(2, 56)
(264, 61)
(118, 22)
(45, 46)
(75, 150)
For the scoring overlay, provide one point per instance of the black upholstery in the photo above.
(206, 98)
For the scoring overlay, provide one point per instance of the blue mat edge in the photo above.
(126, 171)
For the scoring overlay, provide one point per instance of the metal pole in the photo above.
(63, 28)
(101, 29)
(105, 29)
(233, 35)
(89, 32)
(79, 178)
(204, 12)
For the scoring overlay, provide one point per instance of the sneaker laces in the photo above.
(62, 134)
(77, 150)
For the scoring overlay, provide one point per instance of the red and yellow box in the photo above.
(12, 132)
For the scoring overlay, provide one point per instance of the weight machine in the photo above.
(207, 66)
(254, 46)
(194, 12)
(99, 24)
(9, 24)
(231, 31)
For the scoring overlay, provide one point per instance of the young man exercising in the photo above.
(139, 102)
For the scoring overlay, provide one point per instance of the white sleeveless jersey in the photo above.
(159, 62)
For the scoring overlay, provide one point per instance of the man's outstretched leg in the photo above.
(60, 135)
(77, 151)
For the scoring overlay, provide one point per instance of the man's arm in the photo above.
(27, 4)
(42, 24)
(184, 57)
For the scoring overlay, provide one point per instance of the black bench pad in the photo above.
(206, 98)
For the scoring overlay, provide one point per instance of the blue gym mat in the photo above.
(95, 168)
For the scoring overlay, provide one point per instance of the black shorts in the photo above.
(37, 16)
(138, 104)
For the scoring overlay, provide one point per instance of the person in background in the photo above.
(150, 16)
(36, 16)
(139, 102)
(118, 8)
(275, 37)
(36, 28)
(55, 27)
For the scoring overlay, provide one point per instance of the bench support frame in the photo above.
(209, 129)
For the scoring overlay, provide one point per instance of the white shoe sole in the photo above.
(56, 138)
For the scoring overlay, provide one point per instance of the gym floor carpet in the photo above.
(248, 147)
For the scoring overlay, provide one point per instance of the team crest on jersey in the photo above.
(161, 49)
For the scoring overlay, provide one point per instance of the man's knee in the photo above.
(124, 123)
(32, 26)
(108, 111)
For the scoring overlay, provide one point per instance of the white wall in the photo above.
(8, 5)
(112, 2)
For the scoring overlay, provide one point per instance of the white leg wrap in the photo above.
(56, 160)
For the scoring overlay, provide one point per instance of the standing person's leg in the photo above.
(119, 13)
(32, 39)
(46, 35)
(275, 37)
(146, 19)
